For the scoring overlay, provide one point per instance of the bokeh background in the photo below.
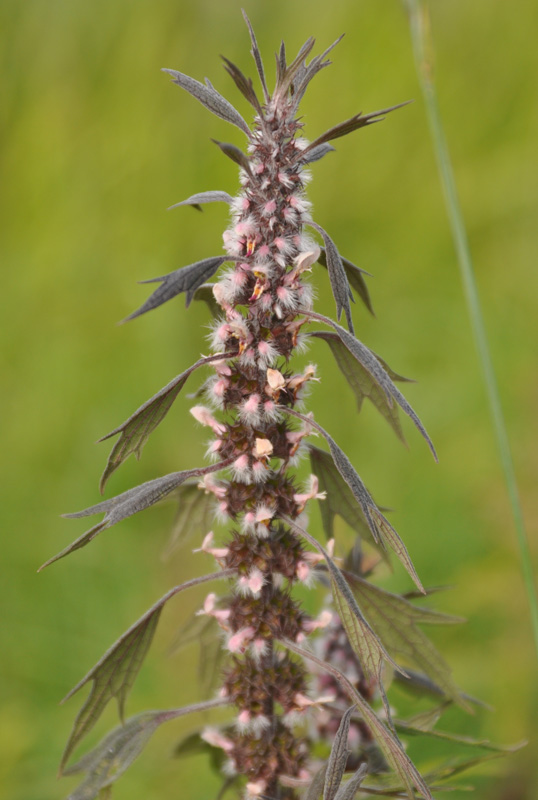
(96, 144)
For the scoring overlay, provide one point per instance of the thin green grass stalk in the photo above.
(423, 48)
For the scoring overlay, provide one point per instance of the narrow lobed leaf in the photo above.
(128, 503)
(339, 499)
(194, 516)
(210, 98)
(337, 275)
(117, 751)
(361, 381)
(185, 279)
(243, 83)
(354, 276)
(136, 430)
(380, 528)
(388, 742)
(196, 200)
(338, 757)
(352, 124)
(363, 640)
(350, 789)
(395, 622)
(317, 153)
(256, 56)
(316, 786)
(233, 152)
(115, 672)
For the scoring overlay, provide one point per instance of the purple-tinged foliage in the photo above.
(287, 694)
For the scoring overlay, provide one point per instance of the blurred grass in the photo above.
(95, 144)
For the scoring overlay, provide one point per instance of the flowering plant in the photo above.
(263, 315)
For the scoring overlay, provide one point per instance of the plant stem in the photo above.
(423, 48)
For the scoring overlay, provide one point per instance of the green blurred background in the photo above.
(96, 143)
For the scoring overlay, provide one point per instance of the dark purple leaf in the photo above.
(128, 503)
(185, 279)
(136, 430)
(363, 640)
(243, 83)
(194, 515)
(205, 293)
(349, 789)
(233, 152)
(361, 381)
(316, 786)
(317, 153)
(388, 742)
(338, 757)
(210, 98)
(337, 275)
(204, 197)
(115, 754)
(257, 56)
(381, 529)
(355, 278)
(395, 622)
(305, 75)
(349, 125)
(115, 673)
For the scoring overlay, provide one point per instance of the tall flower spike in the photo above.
(262, 304)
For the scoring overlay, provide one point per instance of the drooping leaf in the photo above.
(317, 153)
(360, 120)
(204, 197)
(210, 98)
(193, 518)
(128, 503)
(395, 622)
(256, 56)
(339, 499)
(350, 789)
(114, 674)
(117, 751)
(364, 642)
(370, 362)
(337, 275)
(233, 152)
(390, 745)
(381, 529)
(361, 381)
(354, 276)
(316, 786)
(338, 757)
(185, 279)
(136, 430)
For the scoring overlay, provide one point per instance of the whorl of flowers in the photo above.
(262, 306)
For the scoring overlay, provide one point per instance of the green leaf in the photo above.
(136, 430)
(395, 621)
(115, 673)
(117, 751)
(339, 500)
(193, 518)
(361, 381)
